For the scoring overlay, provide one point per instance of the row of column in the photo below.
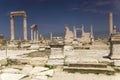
(34, 33)
(12, 27)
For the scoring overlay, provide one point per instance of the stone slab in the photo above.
(11, 70)
(46, 73)
(117, 63)
(55, 62)
(26, 69)
(38, 69)
(9, 76)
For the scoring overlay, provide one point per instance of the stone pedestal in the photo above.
(115, 47)
(115, 51)
(57, 56)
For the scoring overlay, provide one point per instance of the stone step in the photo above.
(107, 70)
(55, 62)
(96, 65)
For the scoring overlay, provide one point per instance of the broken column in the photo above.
(69, 36)
(57, 56)
(75, 33)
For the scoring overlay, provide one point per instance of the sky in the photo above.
(52, 15)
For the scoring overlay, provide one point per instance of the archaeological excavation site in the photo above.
(60, 58)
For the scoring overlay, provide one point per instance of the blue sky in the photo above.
(51, 15)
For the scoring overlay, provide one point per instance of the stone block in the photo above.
(11, 70)
(38, 69)
(26, 69)
(46, 73)
(117, 63)
(10, 76)
(41, 77)
(38, 61)
(3, 61)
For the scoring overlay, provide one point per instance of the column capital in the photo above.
(11, 17)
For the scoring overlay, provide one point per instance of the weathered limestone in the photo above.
(91, 35)
(68, 50)
(87, 37)
(69, 36)
(57, 56)
(34, 47)
(34, 32)
(51, 36)
(38, 70)
(11, 70)
(75, 31)
(18, 13)
(46, 73)
(117, 63)
(26, 69)
(114, 38)
(115, 46)
(12, 27)
(41, 77)
(110, 24)
(10, 76)
(114, 30)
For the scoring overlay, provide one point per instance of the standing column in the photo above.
(37, 35)
(75, 34)
(34, 35)
(51, 36)
(110, 24)
(12, 27)
(91, 34)
(83, 30)
(25, 28)
(31, 34)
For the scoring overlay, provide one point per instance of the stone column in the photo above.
(37, 35)
(12, 27)
(51, 36)
(31, 34)
(110, 24)
(34, 35)
(75, 33)
(83, 30)
(91, 34)
(25, 28)
(114, 30)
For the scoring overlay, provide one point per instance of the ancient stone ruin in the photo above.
(34, 32)
(69, 36)
(12, 15)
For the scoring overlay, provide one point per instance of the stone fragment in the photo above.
(9, 76)
(27, 69)
(11, 70)
(37, 70)
(46, 73)
(41, 77)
